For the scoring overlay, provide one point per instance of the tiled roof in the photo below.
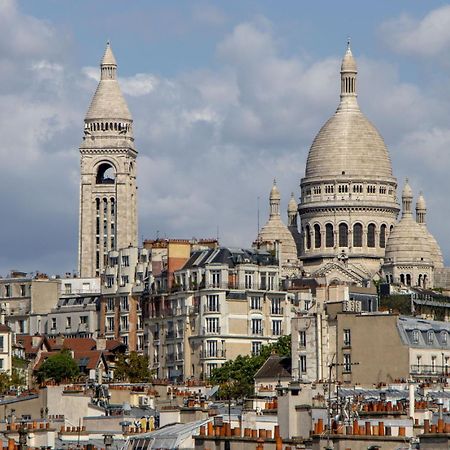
(275, 367)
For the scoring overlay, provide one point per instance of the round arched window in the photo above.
(106, 174)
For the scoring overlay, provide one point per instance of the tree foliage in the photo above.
(132, 368)
(236, 377)
(59, 367)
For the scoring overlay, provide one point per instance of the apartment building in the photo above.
(22, 295)
(222, 303)
(75, 313)
(122, 285)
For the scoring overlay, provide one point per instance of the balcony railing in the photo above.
(211, 309)
(206, 354)
(257, 332)
(211, 330)
(430, 370)
(277, 311)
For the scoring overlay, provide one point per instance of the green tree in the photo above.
(132, 368)
(58, 367)
(236, 377)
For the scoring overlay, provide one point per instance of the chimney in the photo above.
(101, 343)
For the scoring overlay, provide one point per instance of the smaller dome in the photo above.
(421, 204)
(407, 191)
(275, 193)
(348, 62)
(292, 205)
(408, 243)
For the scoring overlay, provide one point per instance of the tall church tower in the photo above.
(108, 213)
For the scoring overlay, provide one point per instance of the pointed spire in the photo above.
(108, 65)
(407, 196)
(421, 209)
(348, 78)
(292, 211)
(274, 200)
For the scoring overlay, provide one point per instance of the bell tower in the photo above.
(108, 213)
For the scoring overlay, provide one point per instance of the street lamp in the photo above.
(108, 441)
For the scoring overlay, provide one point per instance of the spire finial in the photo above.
(348, 43)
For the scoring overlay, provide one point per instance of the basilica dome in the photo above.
(348, 144)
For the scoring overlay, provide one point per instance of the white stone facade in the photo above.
(348, 195)
(108, 214)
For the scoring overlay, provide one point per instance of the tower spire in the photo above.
(421, 209)
(348, 77)
(274, 200)
(407, 197)
(108, 65)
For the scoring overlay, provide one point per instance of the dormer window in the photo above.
(430, 335)
(415, 336)
(444, 337)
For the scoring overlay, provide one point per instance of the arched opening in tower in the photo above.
(106, 174)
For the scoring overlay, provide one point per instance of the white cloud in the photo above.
(427, 37)
(210, 141)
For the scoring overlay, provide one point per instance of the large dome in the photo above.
(348, 144)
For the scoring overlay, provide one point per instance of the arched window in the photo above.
(317, 236)
(308, 237)
(105, 174)
(402, 278)
(371, 235)
(408, 279)
(343, 235)
(419, 281)
(357, 235)
(329, 235)
(383, 236)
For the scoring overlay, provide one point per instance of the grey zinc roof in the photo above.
(168, 437)
(422, 333)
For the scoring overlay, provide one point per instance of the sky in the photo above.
(225, 96)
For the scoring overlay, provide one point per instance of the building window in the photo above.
(343, 188)
(125, 261)
(347, 338)
(357, 188)
(316, 190)
(444, 337)
(109, 281)
(343, 235)
(302, 338)
(433, 363)
(415, 336)
(212, 303)
(23, 290)
(211, 349)
(430, 336)
(83, 320)
(357, 235)
(210, 368)
(110, 304)
(212, 325)
(1, 343)
(140, 322)
(124, 279)
(317, 236)
(371, 235)
(53, 323)
(371, 189)
(255, 303)
(257, 326)
(275, 304)
(248, 280)
(140, 342)
(329, 189)
(256, 347)
(1, 364)
(109, 324)
(308, 237)
(329, 235)
(7, 290)
(276, 327)
(215, 278)
(124, 305)
(125, 340)
(302, 363)
(68, 322)
(383, 236)
(347, 363)
(124, 323)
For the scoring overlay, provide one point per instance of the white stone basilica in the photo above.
(348, 206)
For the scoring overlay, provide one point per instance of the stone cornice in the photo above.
(332, 209)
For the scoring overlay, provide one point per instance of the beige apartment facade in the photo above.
(226, 302)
